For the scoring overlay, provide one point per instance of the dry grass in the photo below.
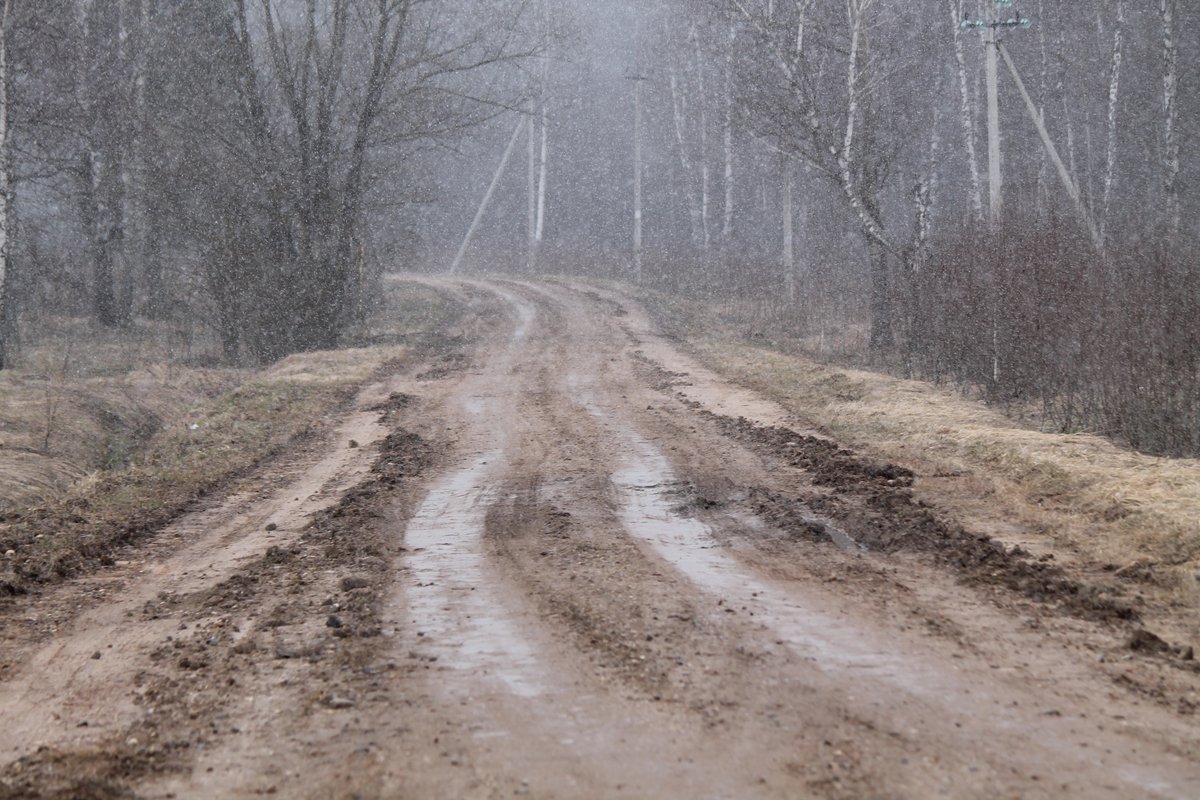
(84, 399)
(207, 446)
(1078, 495)
(200, 435)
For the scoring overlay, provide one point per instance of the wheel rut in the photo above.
(570, 592)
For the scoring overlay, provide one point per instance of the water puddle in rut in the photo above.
(645, 483)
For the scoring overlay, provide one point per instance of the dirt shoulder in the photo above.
(194, 451)
(1120, 521)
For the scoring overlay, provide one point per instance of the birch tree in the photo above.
(816, 90)
(966, 110)
(1170, 116)
(689, 106)
(1114, 90)
(6, 185)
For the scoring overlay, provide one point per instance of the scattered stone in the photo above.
(338, 701)
(1143, 641)
(245, 646)
(353, 444)
(271, 526)
(333, 621)
(353, 582)
(96, 656)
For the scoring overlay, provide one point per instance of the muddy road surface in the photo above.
(554, 557)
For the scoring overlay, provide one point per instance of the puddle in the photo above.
(645, 483)
(688, 545)
(450, 595)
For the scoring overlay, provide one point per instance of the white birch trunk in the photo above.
(789, 222)
(129, 14)
(1061, 47)
(705, 169)
(5, 185)
(531, 210)
(1170, 156)
(845, 157)
(965, 111)
(1114, 88)
(539, 221)
(679, 108)
(637, 179)
(543, 168)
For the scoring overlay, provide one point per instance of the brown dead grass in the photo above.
(184, 433)
(1079, 496)
(208, 446)
(84, 398)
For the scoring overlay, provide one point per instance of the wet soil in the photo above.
(873, 503)
(557, 558)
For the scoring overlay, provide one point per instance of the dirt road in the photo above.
(564, 560)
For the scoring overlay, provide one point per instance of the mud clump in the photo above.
(100, 773)
(396, 401)
(874, 504)
(829, 464)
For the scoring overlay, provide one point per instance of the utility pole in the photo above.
(990, 28)
(995, 175)
(996, 50)
(638, 79)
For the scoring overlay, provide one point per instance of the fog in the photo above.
(858, 175)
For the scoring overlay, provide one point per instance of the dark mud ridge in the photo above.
(873, 503)
(332, 579)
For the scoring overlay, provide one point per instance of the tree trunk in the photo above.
(104, 302)
(727, 225)
(7, 323)
(531, 173)
(679, 107)
(965, 111)
(789, 231)
(881, 297)
(1114, 86)
(702, 124)
(1170, 154)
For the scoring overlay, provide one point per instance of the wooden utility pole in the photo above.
(990, 28)
(637, 79)
(995, 175)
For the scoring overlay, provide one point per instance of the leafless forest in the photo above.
(234, 176)
(575, 399)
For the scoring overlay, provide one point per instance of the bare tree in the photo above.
(816, 89)
(320, 101)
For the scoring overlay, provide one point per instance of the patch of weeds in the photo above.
(175, 469)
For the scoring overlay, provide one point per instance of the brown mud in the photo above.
(558, 559)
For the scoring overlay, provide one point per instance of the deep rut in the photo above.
(559, 607)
